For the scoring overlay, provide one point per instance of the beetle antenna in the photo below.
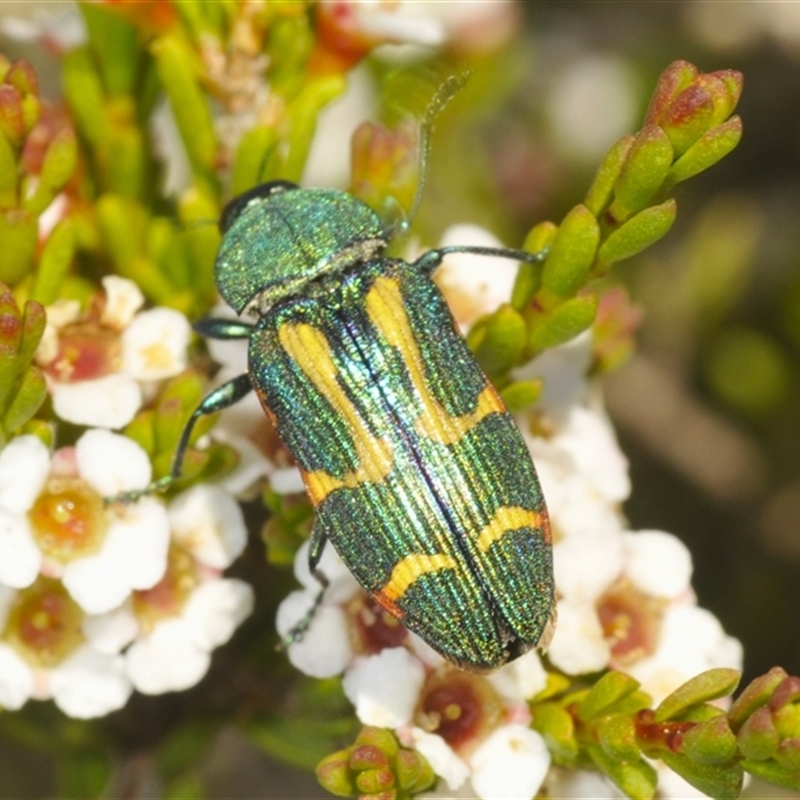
(447, 90)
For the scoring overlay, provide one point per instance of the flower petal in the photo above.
(578, 645)
(512, 762)
(111, 632)
(123, 299)
(324, 650)
(16, 679)
(111, 463)
(96, 583)
(209, 523)
(215, 609)
(108, 402)
(20, 558)
(90, 684)
(341, 583)
(154, 344)
(384, 688)
(657, 563)
(443, 760)
(139, 539)
(166, 659)
(24, 467)
(521, 679)
(587, 560)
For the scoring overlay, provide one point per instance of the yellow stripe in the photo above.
(387, 314)
(309, 348)
(507, 518)
(409, 569)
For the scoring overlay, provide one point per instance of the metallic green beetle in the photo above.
(419, 477)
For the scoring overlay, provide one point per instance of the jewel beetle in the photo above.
(418, 475)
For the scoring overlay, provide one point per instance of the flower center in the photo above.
(461, 708)
(168, 596)
(630, 621)
(44, 624)
(374, 628)
(85, 352)
(68, 519)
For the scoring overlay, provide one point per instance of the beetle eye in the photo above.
(232, 210)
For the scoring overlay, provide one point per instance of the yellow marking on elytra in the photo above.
(387, 313)
(507, 518)
(311, 351)
(409, 569)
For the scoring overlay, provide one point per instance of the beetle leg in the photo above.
(318, 540)
(220, 328)
(428, 261)
(222, 397)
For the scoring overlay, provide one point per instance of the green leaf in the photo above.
(638, 779)
(758, 738)
(564, 323)
(638, 233)
(303, 113)
(602, 188)
(27, 399)
(19, 233)
(54, 262)
(503, 341)
(8, 174)
(84, 93)
(114, 42)
(521, 395)
(571, 253)
(617, 736)
(773, 773)
(60, 160)
(756, 694)
(252, 157)
(722, 782)
(706, 686)
(555, 724)
(643, 172)
(710, 742)
(706, 151)
(175, 66)
(611, 688)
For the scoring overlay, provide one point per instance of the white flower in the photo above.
(691, 640)
(98, 364)
(384, 688)
(474, 285)
(209, 523)
(657, 563)
(453, 770)
(192, 610)
(579, 645)
(47, 652)
(511, 763)
(325, 649)
(53, 519)
(176, 653)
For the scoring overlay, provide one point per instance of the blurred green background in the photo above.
(708, 410)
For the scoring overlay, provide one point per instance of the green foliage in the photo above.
(22, 385)
(687, 129)
(158, 429)
(375, 766)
